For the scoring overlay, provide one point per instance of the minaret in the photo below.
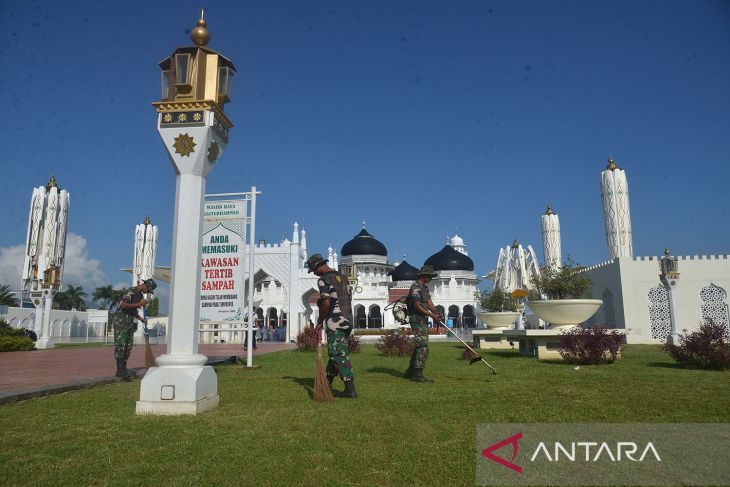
(616, 213)
(196, 83)
(45, 249)
(551, 238)
(304, 243)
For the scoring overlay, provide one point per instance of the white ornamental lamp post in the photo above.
(196, 84)
(669, 277)
(45, 249)
(145, 253)
(551, 238)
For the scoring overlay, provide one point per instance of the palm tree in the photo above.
(72, 297)
(7, 297)
(105, 294)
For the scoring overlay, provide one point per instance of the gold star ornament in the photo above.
(184, 145)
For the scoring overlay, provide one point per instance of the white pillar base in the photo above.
(45, 343)
(174, 390)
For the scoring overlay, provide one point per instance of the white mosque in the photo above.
(284, 288)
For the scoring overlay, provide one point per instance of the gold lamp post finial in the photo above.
(515, 244)
(147, 221)
(200, 34)
(52, 183)
(549, 210)
(611, 164)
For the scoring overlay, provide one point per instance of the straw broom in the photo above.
(322, 391)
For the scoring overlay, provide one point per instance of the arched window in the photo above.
(659, 322)
(360, 318)
(454, 315)
(713, 307)
(375, 319)
(469, 319)
(272, 318)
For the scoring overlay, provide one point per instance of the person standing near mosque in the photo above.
(420, 308)
(335, 317)
(122, 321)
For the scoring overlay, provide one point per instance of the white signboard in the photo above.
(221, 277)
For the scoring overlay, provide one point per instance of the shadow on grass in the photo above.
(306, 382)
(387, 371)
(502, 353)
(665, 365)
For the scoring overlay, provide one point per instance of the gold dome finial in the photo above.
(200, 34)
(515, 244)
(549, 210)
(611, 164)
(52, 183)
(147, 221)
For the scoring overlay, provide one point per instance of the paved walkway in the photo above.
(42, 372)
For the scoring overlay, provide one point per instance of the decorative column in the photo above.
(616, 213)
(669, 277)
(45, 249)
(196, 84)
(551, 238)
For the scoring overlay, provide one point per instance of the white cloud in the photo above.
(79, 269)
(11, 265)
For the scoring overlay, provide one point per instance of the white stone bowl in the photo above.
(565, 313)
(499, 319)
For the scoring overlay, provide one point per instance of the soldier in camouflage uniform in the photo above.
(420, 308)
(122, 321)
(335, 316)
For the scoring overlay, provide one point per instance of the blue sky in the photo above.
(422, 117)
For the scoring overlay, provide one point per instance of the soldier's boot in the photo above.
(418, 377)
(122, 370)
(349, 390)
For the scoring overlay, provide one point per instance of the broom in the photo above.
(149, 358)
(322, 391)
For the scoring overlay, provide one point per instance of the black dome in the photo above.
(448, 259)
(404, 272)
(363, 244)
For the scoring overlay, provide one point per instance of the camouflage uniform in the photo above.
(337, 324)
(419, 324)
(124, 327)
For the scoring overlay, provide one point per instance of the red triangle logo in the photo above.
(512, 440)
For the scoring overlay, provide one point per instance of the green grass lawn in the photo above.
(268, 431)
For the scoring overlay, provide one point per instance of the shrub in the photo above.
(353, 343)
(396, 344)
(307, 340)
(590, 346)
(495, 301)
(15, 343)
(566, 282)
(706, 348)
(8, 331)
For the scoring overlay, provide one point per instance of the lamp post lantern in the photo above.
(669, 277)
(45, 249)
(196, 84)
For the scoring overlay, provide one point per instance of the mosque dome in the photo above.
(364, 244)
(404, 272)
(449, 259)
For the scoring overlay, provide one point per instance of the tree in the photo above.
(72, 297)
(7, 297)
(105, 294)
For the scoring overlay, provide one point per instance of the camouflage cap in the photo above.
(150, 284)
(427, 270)
(315, 261)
